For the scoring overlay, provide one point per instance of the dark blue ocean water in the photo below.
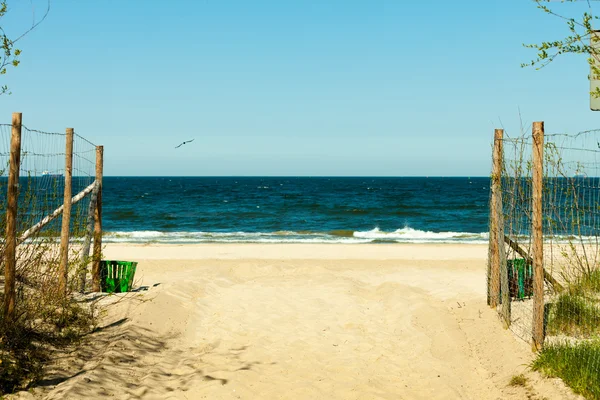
(295, 209)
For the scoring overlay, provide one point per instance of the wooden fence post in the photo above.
(494, 270)
(10, 252)
(503, 266)
(89, 231)
(66, 216)
(537, 236)
(97, 254)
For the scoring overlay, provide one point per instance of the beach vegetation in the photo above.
(580, 37)
(9, 54)
(27, 343)
(518, 380)
(575, 363)
(586, 284)
(45, 320)
(574, 315)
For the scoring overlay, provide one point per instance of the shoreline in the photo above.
(304, 251)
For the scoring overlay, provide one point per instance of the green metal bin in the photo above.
(520, 278)
(117, 276)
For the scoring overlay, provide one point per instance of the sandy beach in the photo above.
(299, 321)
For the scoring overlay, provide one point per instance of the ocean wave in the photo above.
(410, 234)
(404, 235)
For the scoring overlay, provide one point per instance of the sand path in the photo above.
(301, 322)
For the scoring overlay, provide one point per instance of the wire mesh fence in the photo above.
(44, 182)
(41, 182)
(41, 193)
(516, 209)
(566, 261)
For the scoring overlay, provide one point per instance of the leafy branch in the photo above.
(582, 39)
(9, 54)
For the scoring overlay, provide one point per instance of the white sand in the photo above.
(250, 321)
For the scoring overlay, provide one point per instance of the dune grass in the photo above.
(518, 380)
(28, 342)
(586, 284)
(574, 315)
(576, 364)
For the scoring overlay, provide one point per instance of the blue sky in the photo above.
(292, 87)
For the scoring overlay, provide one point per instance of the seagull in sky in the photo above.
(188, 141)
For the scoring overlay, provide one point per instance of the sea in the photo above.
(295, 209)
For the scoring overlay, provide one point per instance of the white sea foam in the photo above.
(404, 235)
(408, 234)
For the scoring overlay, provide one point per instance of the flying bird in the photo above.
(188, 141)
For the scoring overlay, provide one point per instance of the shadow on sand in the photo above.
(128, 361)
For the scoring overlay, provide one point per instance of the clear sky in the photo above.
(304, 87)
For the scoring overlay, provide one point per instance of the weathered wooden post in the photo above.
(89, 231)
(66, 216)
(97, 255)
(494, 270)
(503, 266)
(537, 236)
(10, 253)
(504, 281)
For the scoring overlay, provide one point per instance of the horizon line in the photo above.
(296, 176)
